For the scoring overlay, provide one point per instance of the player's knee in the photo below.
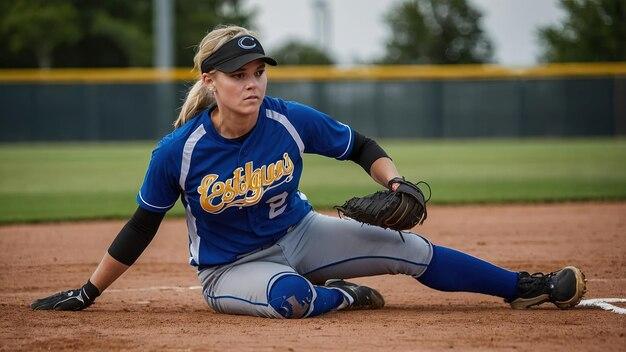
(414, 251)
(291, 296)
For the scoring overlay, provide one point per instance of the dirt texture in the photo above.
(157, 305)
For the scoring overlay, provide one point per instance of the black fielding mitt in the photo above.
(400, 210)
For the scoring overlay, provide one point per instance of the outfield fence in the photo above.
(460, 101)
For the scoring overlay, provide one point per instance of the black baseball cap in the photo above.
(236, 53)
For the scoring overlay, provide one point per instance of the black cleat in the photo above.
(363, 297)
(565, 288)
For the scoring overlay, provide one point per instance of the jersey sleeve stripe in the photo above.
(194, 239)
(349, 141)
(187, 151)
(155, 206)
(285, 122)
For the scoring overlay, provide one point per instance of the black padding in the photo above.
(91, 290)
(135, 236)
(366, 151)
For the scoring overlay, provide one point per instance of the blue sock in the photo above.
(451, 270)
(327, 299)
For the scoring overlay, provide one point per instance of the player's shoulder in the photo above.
(273, 104)
(174, 142)
(292, 110)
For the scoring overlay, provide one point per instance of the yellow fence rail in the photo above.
(322, 73)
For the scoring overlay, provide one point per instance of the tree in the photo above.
(112, 33)
(38, 27)
(116, 33)
(296, 52)
(593, 30)
(436, 32)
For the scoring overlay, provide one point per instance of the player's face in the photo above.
(242, 91)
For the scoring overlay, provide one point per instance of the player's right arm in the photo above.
(131, 241)
(157, 195)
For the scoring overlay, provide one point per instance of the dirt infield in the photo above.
(157, 305)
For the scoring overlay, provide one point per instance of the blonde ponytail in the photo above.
(199, 97)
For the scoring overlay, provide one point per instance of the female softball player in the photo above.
(235, 161)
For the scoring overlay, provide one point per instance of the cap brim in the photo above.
(236, 63)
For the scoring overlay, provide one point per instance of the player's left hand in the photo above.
(77, 299)
(400, 208)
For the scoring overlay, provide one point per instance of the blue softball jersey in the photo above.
(240, 196)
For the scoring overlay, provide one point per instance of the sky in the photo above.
(357, 31)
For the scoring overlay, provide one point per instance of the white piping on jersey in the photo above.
(194, 239)
(154, 206)
(287, 124)
(187, 150)
(349, 140)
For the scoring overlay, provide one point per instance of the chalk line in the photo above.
(115, 290)
(604, 303)
(156, 288)
(605, 280)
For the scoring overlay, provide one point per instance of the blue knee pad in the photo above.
(291, 296)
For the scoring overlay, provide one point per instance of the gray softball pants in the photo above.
(318, 248)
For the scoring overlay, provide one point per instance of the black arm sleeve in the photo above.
(135, 236)
(365, 151)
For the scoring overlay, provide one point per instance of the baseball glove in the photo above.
(399, 210)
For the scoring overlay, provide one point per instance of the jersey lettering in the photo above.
(216, 196)
(277, 204)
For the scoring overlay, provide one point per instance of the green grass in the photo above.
(41, 182)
